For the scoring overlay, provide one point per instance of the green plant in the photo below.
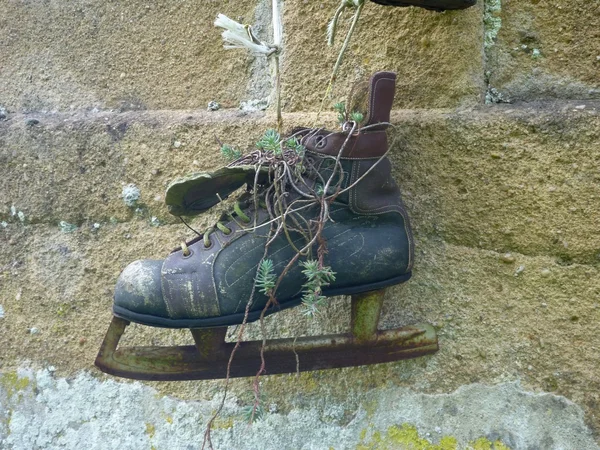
(343, 116)
(294, 144)
(317, 277)
(230, 153)
(266, 278)
(357, 117)
(253, 413)
(270, 142)
(340, 109)
(286, 169)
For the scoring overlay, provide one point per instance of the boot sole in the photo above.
(433, 5)
(238, 318)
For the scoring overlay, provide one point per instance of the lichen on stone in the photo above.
(492, 22)
(13, 383)
(66, 227)
(407, 437)
(150, 430)
(130, 194)
(493, 95)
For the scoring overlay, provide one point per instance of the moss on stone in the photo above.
(485, 444)
(150, 430)
(406, 437)
(12, 383)
(492, 22)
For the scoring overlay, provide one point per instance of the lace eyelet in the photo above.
(209, 247)
(190, 253)
(321, 142)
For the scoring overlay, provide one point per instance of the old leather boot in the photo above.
(209, 280)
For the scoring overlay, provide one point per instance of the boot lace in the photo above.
(240, 217)
(290, 160)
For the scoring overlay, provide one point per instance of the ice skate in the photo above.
(205, 285)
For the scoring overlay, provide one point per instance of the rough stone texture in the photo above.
(544, 50)
(505, 178)
(495, 324)
(126, 55)
(79, 164)
(61, 56)
(511, 178)
(437, 56)
(50, 412)
(503, 200)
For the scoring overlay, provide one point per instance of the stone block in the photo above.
(74, 168)
(119, 55)
(437, 56)
(542, 50)
(522, 178)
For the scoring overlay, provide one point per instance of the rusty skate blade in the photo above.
(281, 355)
(209, 358)
(435, 5)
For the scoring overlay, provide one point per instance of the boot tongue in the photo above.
(195, 193)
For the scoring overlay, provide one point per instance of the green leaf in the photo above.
(293, 144)
(265, 278)
(340, 108)
(357, 117)
(316, 278)
(230, 153)
(270, 142)
(251, 414)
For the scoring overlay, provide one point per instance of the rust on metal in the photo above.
(365, 311)
(209, 357)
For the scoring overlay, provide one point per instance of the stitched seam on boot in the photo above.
(353, 207)
(212, 276)
(354, 204)
(164, 283)
(372, 99)
(261, 245)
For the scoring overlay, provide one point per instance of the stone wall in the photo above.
(498, 118)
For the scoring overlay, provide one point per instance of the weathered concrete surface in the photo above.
(437, 56)
(78, 164)
(543, 50)
(513, 178)
(44, 411)
(127, 55)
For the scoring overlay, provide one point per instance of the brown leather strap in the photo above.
(372, 144)
(381, 97)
